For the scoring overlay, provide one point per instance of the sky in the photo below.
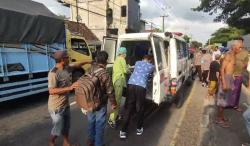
(180, 18)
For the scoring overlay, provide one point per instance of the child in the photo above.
(213, 77)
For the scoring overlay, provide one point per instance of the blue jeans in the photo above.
(246, 116)
(96, 126)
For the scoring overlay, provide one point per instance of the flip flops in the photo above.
(222, 124)
(238, 109)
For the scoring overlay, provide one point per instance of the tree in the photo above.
(233, 12)
(195, 44)
(223, 35)
(186, 38)
(63, 17)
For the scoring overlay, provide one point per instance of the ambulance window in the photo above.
(185, 49)
(158, 52)
(180, 50)
(80, 46)
(166, 49)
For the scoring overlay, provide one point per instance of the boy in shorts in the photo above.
(213, 76)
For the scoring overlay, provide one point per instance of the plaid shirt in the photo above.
(106, 84)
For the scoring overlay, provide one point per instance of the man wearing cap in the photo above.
(60, 84)
(120, 69)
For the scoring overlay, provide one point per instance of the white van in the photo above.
(180, 63)
(138, 45)
(173, 66)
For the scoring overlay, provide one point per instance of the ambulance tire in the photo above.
(179, 98)
(189, 81)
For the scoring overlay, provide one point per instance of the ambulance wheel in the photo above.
(179, 98)
(189, 81)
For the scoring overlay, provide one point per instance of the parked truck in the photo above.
(29, 35)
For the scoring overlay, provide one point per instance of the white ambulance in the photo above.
(171, 66)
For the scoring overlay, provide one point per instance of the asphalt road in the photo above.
(26, 122)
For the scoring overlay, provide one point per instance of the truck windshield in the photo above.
(80, 46)
(136, 50)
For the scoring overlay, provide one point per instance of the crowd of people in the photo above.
(222, 74)
(60, 85)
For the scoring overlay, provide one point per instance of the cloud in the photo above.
(55, 7)
(180, 17)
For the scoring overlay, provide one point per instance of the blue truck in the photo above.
(29, 35)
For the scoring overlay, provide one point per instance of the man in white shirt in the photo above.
(216, 52)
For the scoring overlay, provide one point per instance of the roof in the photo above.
(29, 22)
(83, 31)
(143, 36)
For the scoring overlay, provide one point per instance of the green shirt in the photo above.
(119, 69)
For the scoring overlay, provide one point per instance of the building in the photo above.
(106, 17)
(82, 30)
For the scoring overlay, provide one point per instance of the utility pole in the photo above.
(163, 22)
(77, 16)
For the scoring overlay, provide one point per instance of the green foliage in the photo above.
(234, 12)
(195, 44)
(186, 38)
(223, 35)
(63, 17)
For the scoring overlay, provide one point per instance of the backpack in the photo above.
(88, 95)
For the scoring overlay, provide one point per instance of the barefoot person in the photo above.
(241, 61)
(226, 86)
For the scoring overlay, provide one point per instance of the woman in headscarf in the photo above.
(120, 69)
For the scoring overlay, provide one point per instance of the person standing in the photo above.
(226, 87)
(241, 61)
(206, 59)
(213, 77)
(97, 118)
(137, 94)
(120, 69)
(197, 64)
(246, 116)
(60, 84)
(216, 51)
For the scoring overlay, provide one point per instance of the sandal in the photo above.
(238, 109)
(222, 124)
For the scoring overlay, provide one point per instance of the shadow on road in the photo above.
(16, 106)
(36, 133)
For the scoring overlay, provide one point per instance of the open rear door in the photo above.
(109, 45)
(160, 79)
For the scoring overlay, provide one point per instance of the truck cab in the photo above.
(78, 49)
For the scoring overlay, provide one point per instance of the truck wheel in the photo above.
(77, 73)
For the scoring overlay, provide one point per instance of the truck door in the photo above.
(79, 51)
(160, 79)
